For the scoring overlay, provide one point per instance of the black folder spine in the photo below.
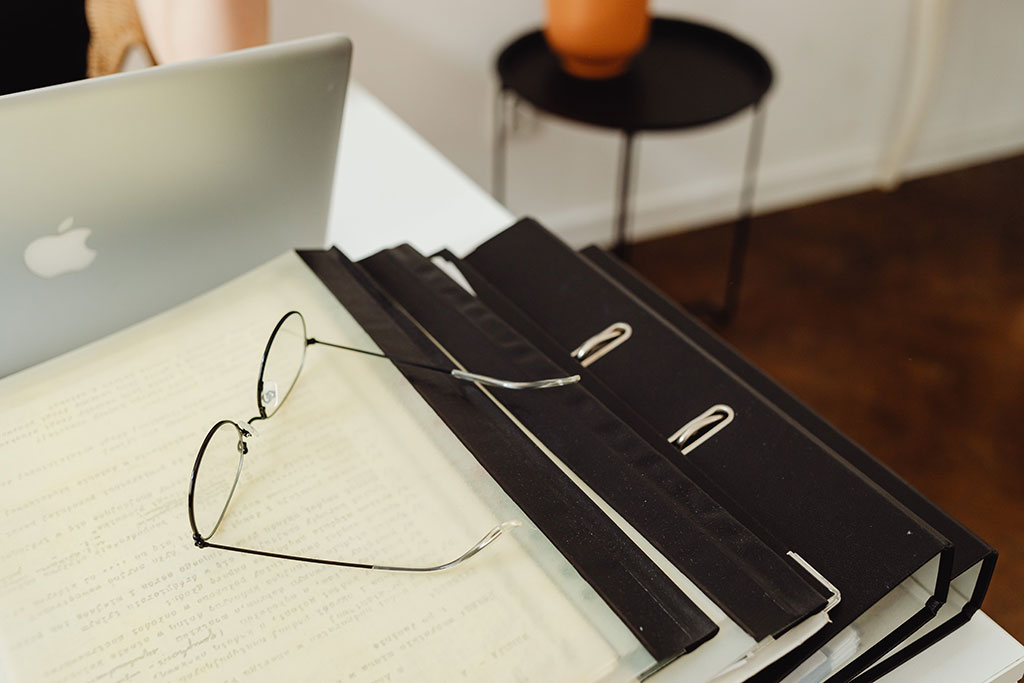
(662, 618)
(763, 593)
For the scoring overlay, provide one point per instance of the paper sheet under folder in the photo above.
(99, 578)
(765, 462)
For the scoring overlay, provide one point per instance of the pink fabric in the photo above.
(188, 29)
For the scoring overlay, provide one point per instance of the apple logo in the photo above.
(64, 252)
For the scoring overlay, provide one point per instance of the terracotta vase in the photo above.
(596, 38)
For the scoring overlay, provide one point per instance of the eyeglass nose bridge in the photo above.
(247, 430)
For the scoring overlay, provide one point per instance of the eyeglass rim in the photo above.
(204, 541)
(266, 354)
(196, 535)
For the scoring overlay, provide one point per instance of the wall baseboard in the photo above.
(959, 149)
(716, 200)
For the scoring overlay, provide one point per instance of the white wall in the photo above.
(978, 108)
(839, 73)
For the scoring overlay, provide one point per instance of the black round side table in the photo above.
(687, 75)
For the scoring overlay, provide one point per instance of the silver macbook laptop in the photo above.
(125, 195)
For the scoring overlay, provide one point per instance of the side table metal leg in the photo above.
(621, 247)
(741, 231)
(499, 148)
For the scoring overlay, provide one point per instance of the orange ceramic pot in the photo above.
(596, 38)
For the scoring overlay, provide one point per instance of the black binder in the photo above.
(794, 482)
(661, 616)
(973, 560)
(764, 592)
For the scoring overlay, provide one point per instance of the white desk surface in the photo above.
(391, 187)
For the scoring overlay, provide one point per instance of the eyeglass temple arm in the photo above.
(488, 538)
(461, 374)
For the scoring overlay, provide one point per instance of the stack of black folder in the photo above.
(766, 508)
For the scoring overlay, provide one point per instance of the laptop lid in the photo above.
(124, 195)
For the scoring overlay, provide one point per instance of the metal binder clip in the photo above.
(601, 343)
(836, 595)
(703, 427)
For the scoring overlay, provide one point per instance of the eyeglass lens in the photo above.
(282, 362)
(217, 476)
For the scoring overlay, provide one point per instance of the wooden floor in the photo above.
(900, 318)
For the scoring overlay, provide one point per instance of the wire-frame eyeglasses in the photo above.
(218, 466)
